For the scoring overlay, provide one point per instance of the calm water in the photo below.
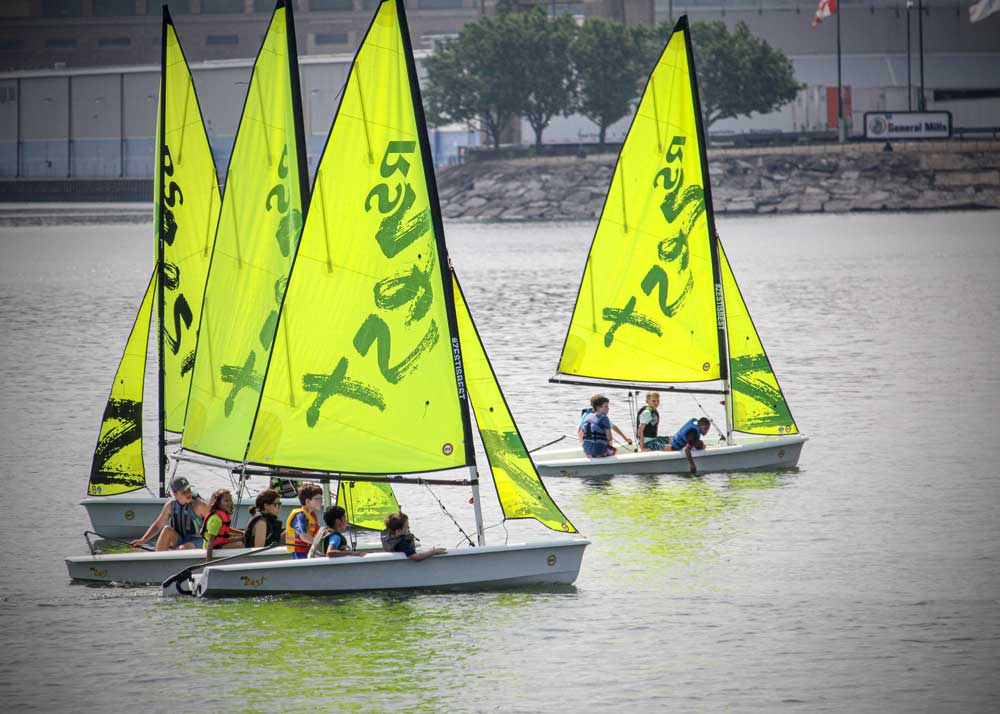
(868, 580)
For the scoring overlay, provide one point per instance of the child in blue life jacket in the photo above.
(595, 433)
(688, 437)
(330, 541)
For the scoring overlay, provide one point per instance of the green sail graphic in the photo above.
(118, 465)
(187, 189)
(519, 487)
(367, 504)
(259, 225)
(759, 407)
(363, 377)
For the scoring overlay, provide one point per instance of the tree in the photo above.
(502, 67)
(738, 73)
(610, 65)
(469, 79)
(542, 59)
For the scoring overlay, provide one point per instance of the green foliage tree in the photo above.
(738, 73)
(542, 59)
(611, 63)
(469, 79)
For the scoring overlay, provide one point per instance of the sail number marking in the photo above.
(410, 288)
(681, 207)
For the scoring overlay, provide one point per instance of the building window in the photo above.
(61, 8)
(332, 5)
(439, 4)
(10, 43)
(105, 8)
(105, 42)
(177, 7)
(222, 40)
(61, 43)
(222, 7)
(331, 38)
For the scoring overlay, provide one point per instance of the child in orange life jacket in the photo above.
(216, 529)
(302, 525)
(330, 541)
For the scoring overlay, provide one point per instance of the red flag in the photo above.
(825, 9)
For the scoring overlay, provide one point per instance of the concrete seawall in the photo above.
(914, 176)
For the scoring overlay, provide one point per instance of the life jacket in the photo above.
(591, 431)
(183, 520)
(273, 536)
(294, 543)
(390, 542)
(223, 537)
(679, 440)
(649, 432)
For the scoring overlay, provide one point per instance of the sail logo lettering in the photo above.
(681, 207)
(286, 237)
(172, 195)
(409, 289)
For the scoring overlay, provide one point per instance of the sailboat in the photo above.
(222, 265)
(377, 367)
(658, 306)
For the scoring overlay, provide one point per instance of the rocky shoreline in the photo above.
(913, 176)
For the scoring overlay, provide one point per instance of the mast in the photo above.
(445, 265)
(161, 140)
(713, 237)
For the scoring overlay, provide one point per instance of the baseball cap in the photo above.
(179, 483)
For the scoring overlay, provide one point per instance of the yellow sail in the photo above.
(519, 487)
(759, 406)
(646, 310)
(367, 504)
(117, 465)
(363, 375)
(259, 226)
(187, 190)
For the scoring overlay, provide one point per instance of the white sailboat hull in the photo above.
(777, 452)
(127, 517)
(545, 562)
(145, 568)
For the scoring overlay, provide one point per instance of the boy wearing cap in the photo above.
(180, 520)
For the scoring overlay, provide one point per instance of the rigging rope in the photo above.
(712, 421)
(445, 510)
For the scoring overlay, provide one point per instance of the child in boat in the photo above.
(688, 437)
(647, 425)
(330, 541)
(302, 524)
(396, 538)
(216, 529)
(264, 528)
(179, 520)
(596, 429)
(584, 413)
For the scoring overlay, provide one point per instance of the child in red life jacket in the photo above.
(216, 529)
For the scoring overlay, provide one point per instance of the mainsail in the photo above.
(187, 191)
(519, 487)
(117, 466)
(648, 309)
(186, 211)
(759, 407)
(259, 225)
(365, 375)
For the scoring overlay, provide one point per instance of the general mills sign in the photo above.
(883, 126)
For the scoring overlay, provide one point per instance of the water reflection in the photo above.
(650, 523)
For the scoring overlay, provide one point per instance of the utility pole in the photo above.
(909, 71)
(841, 128)
(921, 102)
